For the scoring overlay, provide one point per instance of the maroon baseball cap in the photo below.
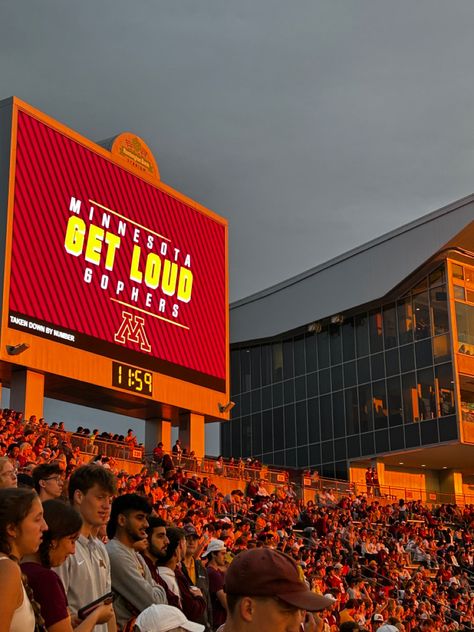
(265, 572)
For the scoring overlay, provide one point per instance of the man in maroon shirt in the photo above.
(215, 554)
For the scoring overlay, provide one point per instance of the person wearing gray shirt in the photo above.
(132, 583)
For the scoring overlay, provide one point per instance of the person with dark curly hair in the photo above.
(59, 542)
(21, 530)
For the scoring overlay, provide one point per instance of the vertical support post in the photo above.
(157, 430)
(191, 433)
(27, 392)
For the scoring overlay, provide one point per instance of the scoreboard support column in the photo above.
(191, 433)
(27, 392)
(157, 430)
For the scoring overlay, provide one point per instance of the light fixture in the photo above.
(445, 467)
(17, 349)
(223, 408)
(315, 328)
(400, 463)
(337, 319)
(423, 466)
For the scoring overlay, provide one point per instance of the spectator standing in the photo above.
(177, 451)
(86, 574)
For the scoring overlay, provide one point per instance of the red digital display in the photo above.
(107, 262)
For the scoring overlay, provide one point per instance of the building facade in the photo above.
(387, 380)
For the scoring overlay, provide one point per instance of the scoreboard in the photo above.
(110, 276)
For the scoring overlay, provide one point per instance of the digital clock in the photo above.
(132, 379)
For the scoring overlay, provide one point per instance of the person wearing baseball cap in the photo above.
(215, 554)
(265, 594)
(164, 618)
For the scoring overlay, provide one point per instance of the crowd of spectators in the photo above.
(170, 535)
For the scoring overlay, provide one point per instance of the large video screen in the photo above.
(104, 261)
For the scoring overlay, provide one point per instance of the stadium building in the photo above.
(365, 359)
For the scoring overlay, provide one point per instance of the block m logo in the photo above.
(132, 329)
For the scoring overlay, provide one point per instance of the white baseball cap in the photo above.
(214, 546)
(161, 618)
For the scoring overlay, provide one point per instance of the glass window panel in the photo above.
(266, 364)
(327, 470)
(412, 435)
(445, 387)
(257, 434)
(394, 394)
(448, 429)
(367, 444)
(423, 354)
(335, 343)
(350, 374)
(407, 358)
(323, 349)
(326, 417)
(235, 411)
(458, 271)
(459, 292)
(255, 369)
(363, 370)
(380, 405)
(256, 400)
(352, 411)
(289, 391)
(245, 370)
(340, 449)
(441, 348)
(392, 363)
(375, 331)
(290, 427)
(348, 340)
(465, 325)
(381, 441)
(324, 381)
(235, 372)
(301, 423)
(362, 335)
(311, 353)
(277, 356)
(279, 458)
(236, 442)
(314, 427)
(410, 398)
(327, 451)
(340, 469)
(469, 276)
(429, 432)
(267, 430)
(426, 394)
(390, 326)
(439, 310)
(278, 429)
(300, 388)
(288, 365)
(245, 404)
(397, 438)
(246, 436)
(377, 364)
(302, 456)
(336, 377)
(438, 277)
(300, 360)
(421, 313)
(266, 397)
(365, 408)
(312, 384)
(353, 446)
(315, 454)
(290, 458)
(405, 320)
(338, 414)
(277, 394)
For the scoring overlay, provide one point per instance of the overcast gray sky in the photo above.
(313, 126)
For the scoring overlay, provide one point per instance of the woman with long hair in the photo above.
(64, 525)
(21, 530)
